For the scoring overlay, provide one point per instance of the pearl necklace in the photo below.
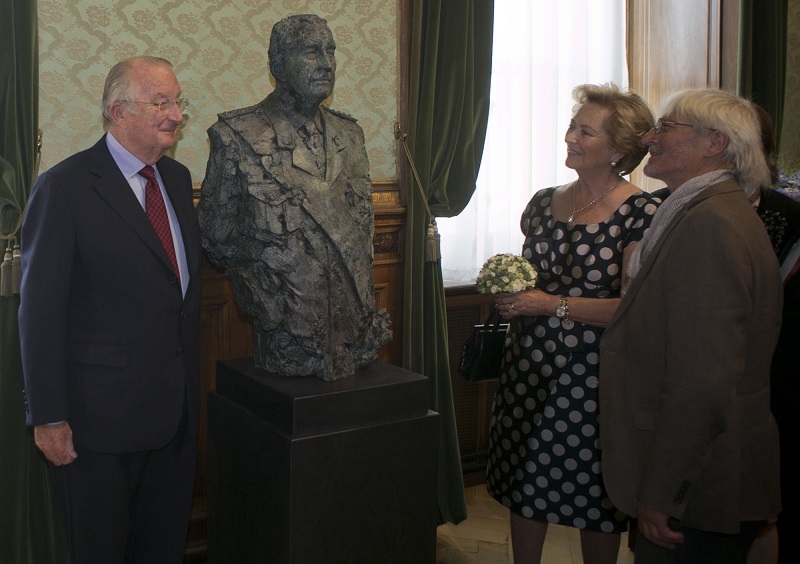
(575, 212)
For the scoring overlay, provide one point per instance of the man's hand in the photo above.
(653, 526)
(55, 441)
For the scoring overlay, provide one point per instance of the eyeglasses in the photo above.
(165, 105)
(662, 123)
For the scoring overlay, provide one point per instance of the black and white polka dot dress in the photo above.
(543, 454)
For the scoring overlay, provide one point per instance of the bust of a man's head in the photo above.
(302, 58)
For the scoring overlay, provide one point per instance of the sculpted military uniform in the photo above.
(286, 206)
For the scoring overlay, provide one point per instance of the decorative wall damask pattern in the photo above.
(219, 51)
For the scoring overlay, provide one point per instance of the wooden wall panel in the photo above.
(671, 46)
(224, 334)
(389, 264)
(472, 401)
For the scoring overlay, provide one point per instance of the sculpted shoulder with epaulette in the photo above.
(224, 116)
(339, 114)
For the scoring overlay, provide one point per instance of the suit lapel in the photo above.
(647, 265)
(285, 139)
(333, 150)
(329, 206)
(114, 189)
(304, 160)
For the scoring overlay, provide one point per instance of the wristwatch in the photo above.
(562, 308)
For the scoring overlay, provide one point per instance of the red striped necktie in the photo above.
(157, 214)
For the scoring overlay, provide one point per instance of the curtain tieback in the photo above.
(432, 250)
(11, 267)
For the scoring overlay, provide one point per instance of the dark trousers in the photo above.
(700, 547)
(130, 508)
(788, 551)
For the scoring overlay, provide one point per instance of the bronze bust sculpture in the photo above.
(286, 207)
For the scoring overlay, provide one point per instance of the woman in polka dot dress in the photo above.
(544, 462)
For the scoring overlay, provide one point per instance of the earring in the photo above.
(613, 163)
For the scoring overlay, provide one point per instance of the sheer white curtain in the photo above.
(542, 49)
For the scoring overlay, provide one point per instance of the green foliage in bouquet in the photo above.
(506, 273)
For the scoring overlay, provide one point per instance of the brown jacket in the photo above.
(685, 422)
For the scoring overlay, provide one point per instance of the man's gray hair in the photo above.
(736, 117)
(118, 84)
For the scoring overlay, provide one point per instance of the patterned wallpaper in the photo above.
(219, 51)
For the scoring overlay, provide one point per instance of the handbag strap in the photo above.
(492, 322)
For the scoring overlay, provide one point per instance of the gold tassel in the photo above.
(5, 274)
(16, 269)
(432, 243)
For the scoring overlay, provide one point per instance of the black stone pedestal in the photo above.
(306, 471)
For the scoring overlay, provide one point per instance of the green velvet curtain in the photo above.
(31, 532)
(451, 50)
(761, 66)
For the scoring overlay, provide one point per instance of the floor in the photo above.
(484, 537)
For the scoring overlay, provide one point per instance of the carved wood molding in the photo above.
(388, 242)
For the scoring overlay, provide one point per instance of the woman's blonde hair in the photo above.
(629, 119)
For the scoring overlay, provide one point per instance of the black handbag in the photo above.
(482, 353)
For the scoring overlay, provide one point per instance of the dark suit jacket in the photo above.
(109, 343)
(786, 389)
(684, 419)
(781, 216)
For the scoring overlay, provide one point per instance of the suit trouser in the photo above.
(699, 547)
(130, 508)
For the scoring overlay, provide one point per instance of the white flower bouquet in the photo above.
(506, 273)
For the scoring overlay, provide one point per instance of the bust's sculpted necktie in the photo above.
(315, 143)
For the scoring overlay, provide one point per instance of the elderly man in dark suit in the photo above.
(109, 326)
(286, 206)
(689, 445)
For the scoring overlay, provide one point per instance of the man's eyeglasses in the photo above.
(165, 105)
(665, 123)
